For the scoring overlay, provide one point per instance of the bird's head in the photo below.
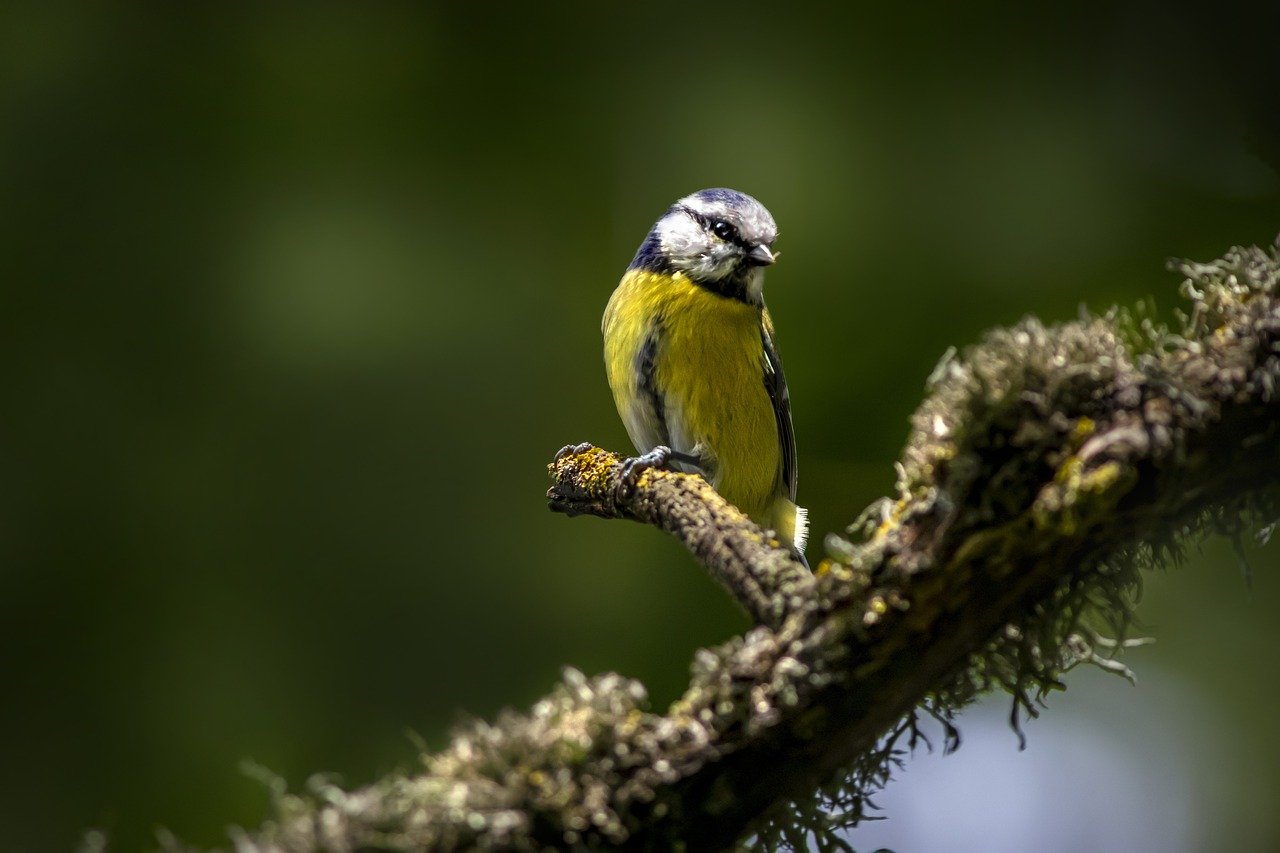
(719, 238)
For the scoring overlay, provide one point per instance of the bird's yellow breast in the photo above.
(708, 368)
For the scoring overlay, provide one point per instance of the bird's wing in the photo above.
(775, 382)
(646, 418)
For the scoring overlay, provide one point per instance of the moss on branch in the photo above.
(1045, 467)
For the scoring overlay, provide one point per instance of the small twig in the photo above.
(755, 568)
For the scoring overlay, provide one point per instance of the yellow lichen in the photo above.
(1084, 428)
(1068, 471)
(895, 515)
(1079, 496)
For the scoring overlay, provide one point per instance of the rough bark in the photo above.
(1045, 466)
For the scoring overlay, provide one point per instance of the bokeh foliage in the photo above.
(299, 302)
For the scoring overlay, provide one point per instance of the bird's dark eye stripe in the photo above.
(710, 224)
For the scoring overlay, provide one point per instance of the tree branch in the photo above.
(1045, 466)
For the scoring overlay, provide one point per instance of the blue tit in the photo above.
(689, 351)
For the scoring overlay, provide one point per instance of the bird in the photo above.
(691, 359)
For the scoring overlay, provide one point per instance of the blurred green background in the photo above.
(299, 301)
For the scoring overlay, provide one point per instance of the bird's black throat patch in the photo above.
(733, 286)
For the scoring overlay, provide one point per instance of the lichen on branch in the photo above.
(1045, 467)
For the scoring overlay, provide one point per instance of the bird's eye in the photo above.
(723, 230)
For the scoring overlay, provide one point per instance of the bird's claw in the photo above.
(633, 467)
(570, 449)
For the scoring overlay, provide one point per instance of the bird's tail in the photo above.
(792, 525)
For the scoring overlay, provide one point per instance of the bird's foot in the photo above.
(635, 466)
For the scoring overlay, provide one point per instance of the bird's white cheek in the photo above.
(679, 236)
(708, 266)
(720, 262)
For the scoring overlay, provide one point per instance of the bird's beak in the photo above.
(760, 256)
